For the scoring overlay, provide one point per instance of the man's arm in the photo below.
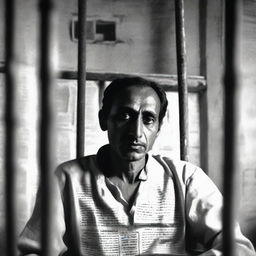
(30, 238)
(204, 205)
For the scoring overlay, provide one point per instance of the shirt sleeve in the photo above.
(30, 239)
(204, 205)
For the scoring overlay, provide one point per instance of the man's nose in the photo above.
(136, 129)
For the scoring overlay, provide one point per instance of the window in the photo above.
(96, 30)
(106, 29)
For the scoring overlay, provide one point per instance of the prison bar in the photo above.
(182, 77)
(47, 152)
(10, 124)
(81, 80)
(232, 17)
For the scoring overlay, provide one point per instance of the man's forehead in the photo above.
(136, 91)
(137, 96)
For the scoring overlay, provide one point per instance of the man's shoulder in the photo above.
(77, 165)
(182, 169)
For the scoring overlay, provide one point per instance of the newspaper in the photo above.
(125, 241)
(149, 229)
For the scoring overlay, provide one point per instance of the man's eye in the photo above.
(148, 119)
(123, 116)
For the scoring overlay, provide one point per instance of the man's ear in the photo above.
(158, 132)
(159, 128)
(102, 120)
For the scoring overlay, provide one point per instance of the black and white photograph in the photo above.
(127, 127)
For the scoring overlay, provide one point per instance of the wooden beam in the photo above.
(169, 82)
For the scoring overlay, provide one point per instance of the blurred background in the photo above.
(134, 37)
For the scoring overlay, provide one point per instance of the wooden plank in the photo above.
(169, 82)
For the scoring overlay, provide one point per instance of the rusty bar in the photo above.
(231, 77)
(81, 80)
(10, 121)
(47, 150)
(182, 77)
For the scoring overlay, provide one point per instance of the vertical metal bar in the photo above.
(81, 82)
(202, 36)
(47, 150)
(182, 77)
(10, 120)
(203, 104)
(232, 8)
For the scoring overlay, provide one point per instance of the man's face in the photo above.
(133, 122)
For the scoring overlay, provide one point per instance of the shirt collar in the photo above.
(143, 176)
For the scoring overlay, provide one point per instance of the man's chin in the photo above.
(133, 156)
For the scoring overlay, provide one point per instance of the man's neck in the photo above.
(127, 170)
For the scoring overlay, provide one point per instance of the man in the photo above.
(124, 200)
